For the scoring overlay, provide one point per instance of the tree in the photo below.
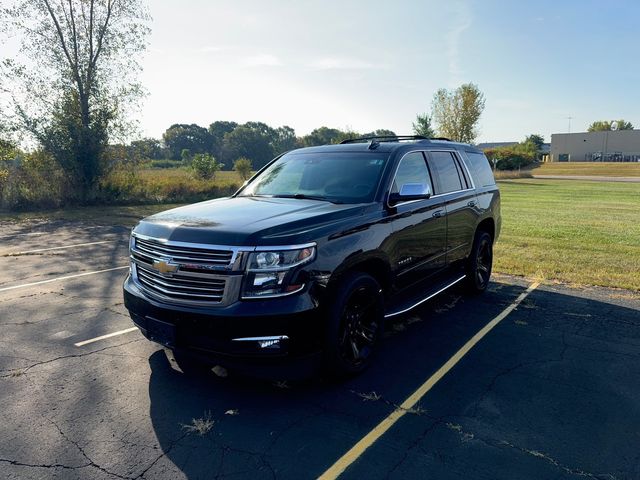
(217, 130)
(322, 136)
(147, 148)
(457, 112)
(243, 166)
(205, 166)
(193, 137)
(536, 140)
(422, 126)
(75, 77)
(604, 125)
(285, 140)
(252, 143)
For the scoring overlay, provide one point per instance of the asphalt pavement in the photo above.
(551, 392)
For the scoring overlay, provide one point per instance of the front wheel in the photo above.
(480, 263)
(355, 324)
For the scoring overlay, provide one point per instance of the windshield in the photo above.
(334, 177)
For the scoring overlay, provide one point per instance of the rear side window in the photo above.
(480, 169)
(412, 169)
(445, 172)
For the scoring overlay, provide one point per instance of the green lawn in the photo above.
(605, 169)
(574, 232)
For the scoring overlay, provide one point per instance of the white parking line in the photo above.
(66, 277)
(59, 248)
(103, 337)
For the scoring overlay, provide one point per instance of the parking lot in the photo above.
(551, 392)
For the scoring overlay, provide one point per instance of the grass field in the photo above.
(574, 232)
(614, 169)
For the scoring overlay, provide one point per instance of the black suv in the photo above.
(311, 256)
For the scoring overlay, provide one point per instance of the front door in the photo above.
(417, 245)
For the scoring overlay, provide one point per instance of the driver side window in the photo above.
(412, 169)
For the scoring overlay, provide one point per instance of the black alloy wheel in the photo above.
(480, 263)
(356, 319)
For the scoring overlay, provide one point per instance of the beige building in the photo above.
(609, 146)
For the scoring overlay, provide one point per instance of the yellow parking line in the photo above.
(370, 438)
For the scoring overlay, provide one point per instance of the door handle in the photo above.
(437, 214)
(472, 203)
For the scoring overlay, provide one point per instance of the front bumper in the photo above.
(212, 333)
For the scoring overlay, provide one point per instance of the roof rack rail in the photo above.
(384, 138)
(445, 139)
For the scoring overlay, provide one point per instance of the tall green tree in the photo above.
(457, 112)
(218, 130)
(75, 76)
(604, 125)
(245, 141)
(322, 136)
(422, 126)
(536, 140)
(284, 140)
(180, 136)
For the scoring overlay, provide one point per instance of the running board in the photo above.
(413, 304)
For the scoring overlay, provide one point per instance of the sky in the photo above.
(369, 64)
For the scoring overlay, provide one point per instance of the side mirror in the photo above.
(409, 192)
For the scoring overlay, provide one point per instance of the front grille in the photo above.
(182, 254)
(201, 275)
(182, 287)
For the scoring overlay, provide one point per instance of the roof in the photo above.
(386, 147)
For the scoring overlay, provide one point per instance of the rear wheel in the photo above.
(480, 263)
(355, 324)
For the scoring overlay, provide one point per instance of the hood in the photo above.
(244, 221)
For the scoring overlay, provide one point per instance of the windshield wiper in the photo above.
(302, 196)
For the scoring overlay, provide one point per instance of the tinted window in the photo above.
(412, 169)
(480, 169)
(338, 177)
(445, 172)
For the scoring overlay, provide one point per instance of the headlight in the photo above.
(269, 273)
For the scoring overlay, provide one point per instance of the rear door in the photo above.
(455, 190)
(416, 247)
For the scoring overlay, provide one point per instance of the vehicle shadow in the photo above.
(210, 427)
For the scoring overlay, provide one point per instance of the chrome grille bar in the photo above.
(202, 274)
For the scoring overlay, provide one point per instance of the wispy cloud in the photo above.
(463, 20)
(342, 63)
(263, 60)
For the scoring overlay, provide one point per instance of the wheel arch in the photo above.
(374, 265)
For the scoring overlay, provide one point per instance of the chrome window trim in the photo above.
(426, 152)
(466, 167)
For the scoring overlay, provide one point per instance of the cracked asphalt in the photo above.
(553, 392)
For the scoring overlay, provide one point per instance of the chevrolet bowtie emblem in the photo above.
(164, 266)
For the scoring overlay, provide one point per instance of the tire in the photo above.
(355, 324)
(480, 263)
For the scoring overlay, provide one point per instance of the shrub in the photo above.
(243, 166)
(205, 166)
(34, 180)
(512, 157)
